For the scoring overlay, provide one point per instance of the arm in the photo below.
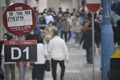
(82, 37)
(45, 52)
(49, 47)
(66, 51)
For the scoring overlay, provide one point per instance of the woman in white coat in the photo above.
(38, 70)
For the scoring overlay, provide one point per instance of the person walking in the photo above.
(59, 54)
(64, 28)
(8, 66)
(77, 29)
(1, 70)
(87, 41)
(39, 65)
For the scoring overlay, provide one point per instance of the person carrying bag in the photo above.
(38, 71)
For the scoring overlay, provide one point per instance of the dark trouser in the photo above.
(77, 37)
(38, 72)
(54, 68)
(69, 35)
(89, 55)
(9, 68)
(1, 74)
(65, 35)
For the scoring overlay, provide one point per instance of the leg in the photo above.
(1, 74)
(66, 37)
(33, 73)
(87, 52)
(90, 55)
(54, 68)
(61, 34)
(69, 35)
(7, 71)
(75, 38)
(12, 68)
(24, 72)
(62, 65)
(41, 72)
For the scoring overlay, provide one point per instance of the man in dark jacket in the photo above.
(1, 43)
(87, 42)
(1, 72)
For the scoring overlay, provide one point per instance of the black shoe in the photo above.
(89, 62)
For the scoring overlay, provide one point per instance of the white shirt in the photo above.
(41, 54)
(49, 18)
(58, 49)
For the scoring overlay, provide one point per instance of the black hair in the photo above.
(9, 37)
(40, 40)
(55, 32)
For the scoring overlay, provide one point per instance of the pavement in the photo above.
(77, 68)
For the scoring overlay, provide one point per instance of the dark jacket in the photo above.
(33, 37)
(1, 43)
(118, 32)
(87, 38)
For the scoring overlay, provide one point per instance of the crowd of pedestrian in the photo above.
(52, 32)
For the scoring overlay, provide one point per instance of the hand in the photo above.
(67, 61)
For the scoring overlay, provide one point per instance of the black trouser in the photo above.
(64, 34)
(89, 55)
(54, 69)
(1, 74)
(38, 72)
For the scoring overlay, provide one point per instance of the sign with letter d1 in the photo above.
(20, 50)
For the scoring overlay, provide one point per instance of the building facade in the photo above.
(64, 4)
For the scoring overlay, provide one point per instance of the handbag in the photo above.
(47, 65)
(47, 62)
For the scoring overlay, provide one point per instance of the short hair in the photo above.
(40, 40)
(55, 32)
(9, 37)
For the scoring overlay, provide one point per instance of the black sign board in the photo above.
(16, 51)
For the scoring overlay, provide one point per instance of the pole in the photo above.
(21, 66)
(93, 45)
(107, 44)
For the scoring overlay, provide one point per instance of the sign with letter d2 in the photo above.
(20, 50)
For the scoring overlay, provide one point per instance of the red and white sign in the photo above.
(24, 50)
(21, 42)
(93, 5)
(19, 19)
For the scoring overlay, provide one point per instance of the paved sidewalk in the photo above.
(77, 68)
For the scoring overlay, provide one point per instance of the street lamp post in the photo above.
(107, 44)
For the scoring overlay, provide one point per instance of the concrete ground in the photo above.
(77, 68)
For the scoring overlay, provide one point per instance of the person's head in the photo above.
(67, 10)
(87, 24)
(60, 8)
(32, 32)
(53, 28)
(40, 41)
(6, 36)
(55, 33)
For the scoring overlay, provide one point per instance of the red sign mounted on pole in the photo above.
(93, 5)
(19, 19)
